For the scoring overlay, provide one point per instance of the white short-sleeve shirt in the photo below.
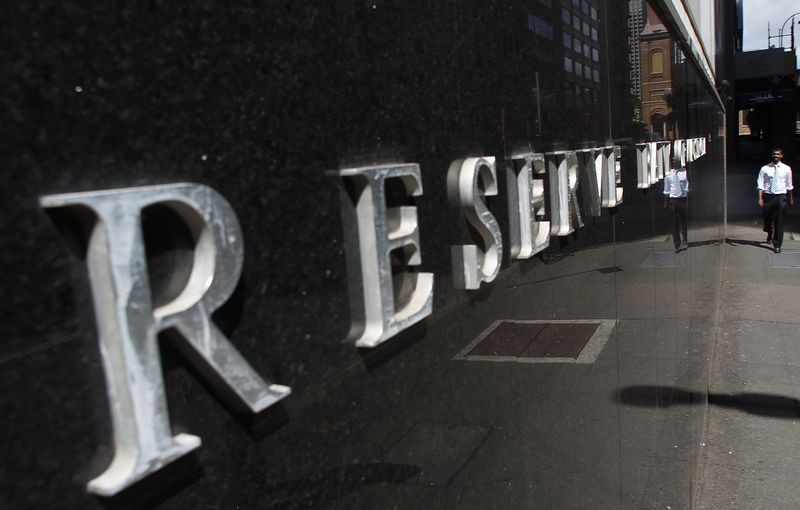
(676, 183)
(775, 178)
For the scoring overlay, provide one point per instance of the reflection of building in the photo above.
(580, 23)
(635, 27)
(656, 76)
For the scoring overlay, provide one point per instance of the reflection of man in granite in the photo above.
(774, 192)
(676, 198)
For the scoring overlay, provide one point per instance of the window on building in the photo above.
(657, 62)
(548, 3)
(577, 45)
(586, 30)
(540, 27)
(567, 40)
(568, 64)
(566, 17)
(585, 7)
(596, 75)
(657, 119)
(594, 33)
(578, 68)
(576, 3)
(587, 72)
(587, 51)
(594, 13)
(576, 22)
(595, 55)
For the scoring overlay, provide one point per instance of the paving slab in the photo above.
(751, 458)
(439, 450)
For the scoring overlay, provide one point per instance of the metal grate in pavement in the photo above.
(785, 259)
(508, 339)
(540, 341)
(664, 259)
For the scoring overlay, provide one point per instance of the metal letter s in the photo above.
(471, 263)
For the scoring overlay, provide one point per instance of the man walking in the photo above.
(676, 192)
(774, 191)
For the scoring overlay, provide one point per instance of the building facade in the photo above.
(356, 255)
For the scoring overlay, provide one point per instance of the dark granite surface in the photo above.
(260, 101)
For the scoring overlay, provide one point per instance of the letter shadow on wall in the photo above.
(374, 357)
(157, 487)
(761, 404)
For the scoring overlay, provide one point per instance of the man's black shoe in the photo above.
(777, 249)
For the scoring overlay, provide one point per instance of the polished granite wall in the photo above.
(261, 101)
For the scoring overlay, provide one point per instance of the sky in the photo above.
(756, 14)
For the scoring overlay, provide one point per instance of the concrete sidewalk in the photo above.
(752, 450)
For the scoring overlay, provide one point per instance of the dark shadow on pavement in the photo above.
(748, 242)
(551, 258)
(711, 242)
(761, 404)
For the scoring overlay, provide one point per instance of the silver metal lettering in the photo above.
(472, 264)
(128, 324)
(653, 162)
(562, 171)
(383, 303)
(591, 163)
(612, 177)
(526, 204)
(642, 166)
(663, 159)
(678, 151)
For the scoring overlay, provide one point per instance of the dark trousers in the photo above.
(774, 207)
(680, 216)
